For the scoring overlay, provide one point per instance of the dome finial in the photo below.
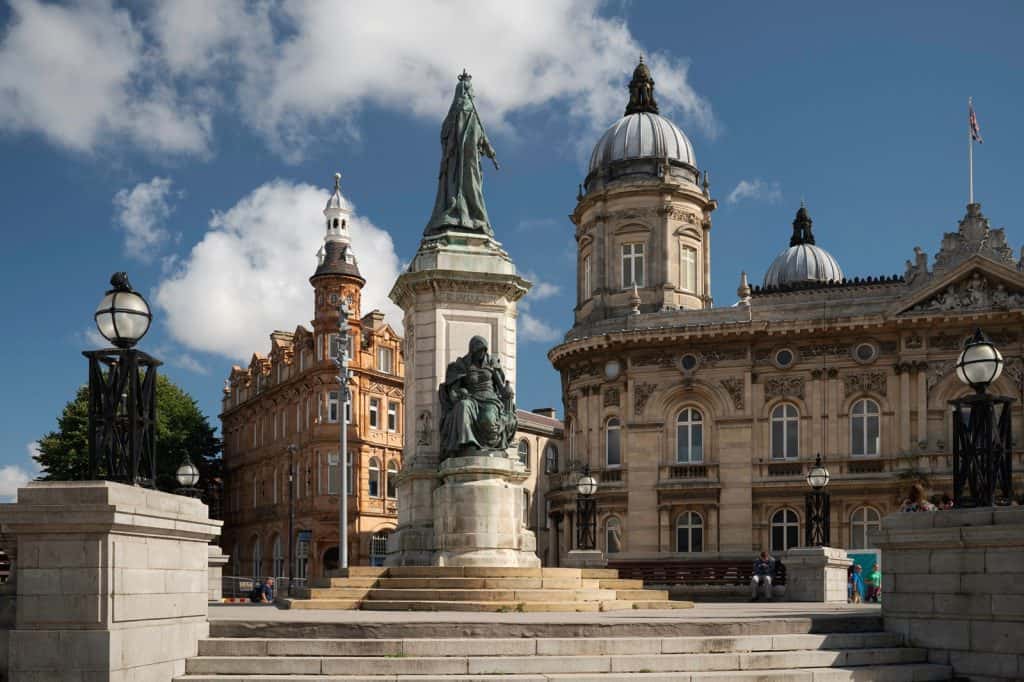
(802, 233)
(641, 91)
(337, 181)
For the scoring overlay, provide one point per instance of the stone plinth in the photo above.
(817, 574)
(586, 558)
(112, 581)
(216, 561)
(479, 515)
(459, 285)
(953, 583)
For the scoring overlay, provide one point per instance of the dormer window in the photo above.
(385, 357)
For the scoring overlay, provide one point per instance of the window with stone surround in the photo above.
(332, 407)
(864, 427)
(385, 360)
(785, 530)
(612, 535)
(632, 265)
(689, 436)
(550, 459)
(392, 481)
(688, 268)
(524, 453)
(613, 443)
(333, 474)
(785, 431)
(374, 413)
(392, 416)
(373, 480)
(689, 532)
(863, 520)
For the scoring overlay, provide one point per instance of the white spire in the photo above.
(337, 214)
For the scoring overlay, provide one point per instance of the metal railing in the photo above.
(240, 587)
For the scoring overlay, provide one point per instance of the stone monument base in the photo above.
(479, 513)
(816, 574)
(112, 581)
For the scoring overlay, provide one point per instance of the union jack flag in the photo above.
(972, 120)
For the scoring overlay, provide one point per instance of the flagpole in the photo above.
(970, 156)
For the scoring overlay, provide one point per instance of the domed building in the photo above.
(700, 423)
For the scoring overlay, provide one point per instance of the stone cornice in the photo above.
(510, 287)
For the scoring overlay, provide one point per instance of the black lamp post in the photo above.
(586, 510)
(187, 476)
(982, 430)
(122, 390)
(819, 528)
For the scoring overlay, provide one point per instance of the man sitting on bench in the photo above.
(764, 569)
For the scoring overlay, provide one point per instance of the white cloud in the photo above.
(296, 72)
(247, 276)
(540, 289)
(141, 212)
(533, 328)
(757, 190)
(13, 476)
(83, 74)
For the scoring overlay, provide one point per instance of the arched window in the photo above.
(392, 482)
(374, 479)
(613, 443)
(689, 436)
(785, 431)
(551, 459)
(257, 558)
(278, 558)
(689, 532)
(785, 530)
(612, 535)
(524, 454)
(863, 520)
(864, 427)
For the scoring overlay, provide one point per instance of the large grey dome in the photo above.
(642, 135)
(803, 262)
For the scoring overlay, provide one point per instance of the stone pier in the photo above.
(112, 581)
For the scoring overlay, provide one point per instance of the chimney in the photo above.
(548, 412)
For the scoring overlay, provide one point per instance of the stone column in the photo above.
(216, 561)
(459, 285)
(904, 408)
(112, 581)
(816, 574)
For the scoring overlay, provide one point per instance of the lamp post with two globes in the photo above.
(122, 390)
(586, 511)
(982, 430)
(816, 503)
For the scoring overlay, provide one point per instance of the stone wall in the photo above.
(953, 582)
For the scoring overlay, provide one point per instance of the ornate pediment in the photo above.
(974, 292)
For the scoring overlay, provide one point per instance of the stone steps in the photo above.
(478, 588)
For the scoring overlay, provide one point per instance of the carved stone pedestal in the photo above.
(479, 516)
(816, 574)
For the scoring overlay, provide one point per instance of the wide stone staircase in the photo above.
(472, 588)
(524, 651)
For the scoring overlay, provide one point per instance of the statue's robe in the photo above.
(460, 198)
(479, 420)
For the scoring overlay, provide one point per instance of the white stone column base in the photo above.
(816, 574)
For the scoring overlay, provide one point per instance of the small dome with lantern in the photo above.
(803, 262)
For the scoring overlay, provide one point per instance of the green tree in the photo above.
(181, 430)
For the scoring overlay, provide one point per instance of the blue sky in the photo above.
(192, 145)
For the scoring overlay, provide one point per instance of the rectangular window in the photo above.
(392, 416)
(319, 474)
(275, 486)
(632, 265)
(374, 413)
(332, 407)
(319, 346)
(689, 269)
(350, 485)
(309, 480)
(332, 344)
(614, 454)
(298, 481)
(255, 491)
(348, 412)
(333, 474)
(586, 278)
(384, 360)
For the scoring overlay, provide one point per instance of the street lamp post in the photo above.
(982, 430)
(586, 510)
(292, 449)
(819, 527)
(344, 397)
(122, 390)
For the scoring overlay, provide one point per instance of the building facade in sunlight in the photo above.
(290, 398)
(702, 421)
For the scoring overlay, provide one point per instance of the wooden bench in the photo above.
(717, 572)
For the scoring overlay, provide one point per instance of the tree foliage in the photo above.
(181, 431)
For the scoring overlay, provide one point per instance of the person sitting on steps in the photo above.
(764, 568)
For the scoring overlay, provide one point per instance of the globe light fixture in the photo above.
(818, 476)
(187, 474)
(980, 363)
(586, 510)
(123, 316)
(587, 485)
